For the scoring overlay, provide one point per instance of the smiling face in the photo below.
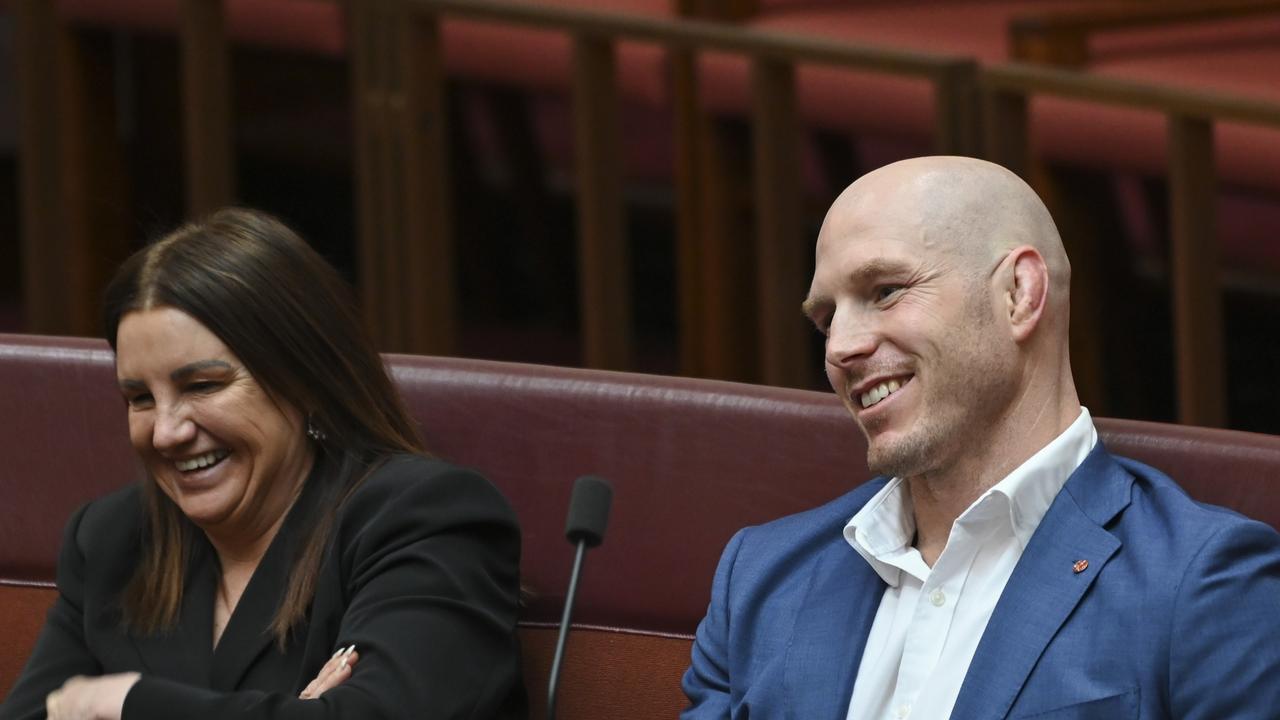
(210, 436)
(914, 342)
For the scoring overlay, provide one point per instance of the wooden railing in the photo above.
(406, 241)
(1194, 266)
(409, 94)
(75, 227)
(1061, 37)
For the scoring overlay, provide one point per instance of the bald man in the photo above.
(1004, 565)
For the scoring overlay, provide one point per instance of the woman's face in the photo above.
(218, 445)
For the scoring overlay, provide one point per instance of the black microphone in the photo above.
(588, 516)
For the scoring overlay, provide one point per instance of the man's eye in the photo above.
(884, 292)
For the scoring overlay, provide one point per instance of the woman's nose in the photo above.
(173, 428)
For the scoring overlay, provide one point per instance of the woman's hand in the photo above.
(334, 673)
(90, 698)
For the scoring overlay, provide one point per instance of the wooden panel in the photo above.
(615, 674)
(392, 246)
(603, 269)
(206, 107)
(690, 259)
(1005, 138)
(44, 228)
(73, 183)
(427, 269)
(956, 110)
(1197, 301)
(782, 253)
(370, 50)
(716, 268)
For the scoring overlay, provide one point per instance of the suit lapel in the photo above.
(1045, 587)
(184, 654)
(843, 596)
(248, 633)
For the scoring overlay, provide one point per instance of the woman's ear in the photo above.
(1027, 292)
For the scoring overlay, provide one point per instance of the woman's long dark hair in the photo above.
(288, 316)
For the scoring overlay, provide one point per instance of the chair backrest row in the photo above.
(691, 462)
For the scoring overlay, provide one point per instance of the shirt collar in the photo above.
(1033, 485)
(882, 531)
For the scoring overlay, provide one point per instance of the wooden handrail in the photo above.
(1131, 15)
(1191, 114)
(1025, 79)
(1061, 37)
(701, 35)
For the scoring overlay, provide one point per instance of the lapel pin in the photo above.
(1080, 566)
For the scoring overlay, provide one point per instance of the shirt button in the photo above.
(903, 711)
(938, 598)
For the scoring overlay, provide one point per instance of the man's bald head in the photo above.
(972, 209)
(941, 286)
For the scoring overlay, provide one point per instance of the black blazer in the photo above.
(421, 574)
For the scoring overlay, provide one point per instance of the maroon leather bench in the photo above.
(691, 462)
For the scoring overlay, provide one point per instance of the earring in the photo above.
(314, 432)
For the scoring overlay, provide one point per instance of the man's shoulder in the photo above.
(1160, 509)
(1159, 490)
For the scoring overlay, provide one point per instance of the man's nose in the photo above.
(849, 340)
(173, 427)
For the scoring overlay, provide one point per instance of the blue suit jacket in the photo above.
(1176, 616)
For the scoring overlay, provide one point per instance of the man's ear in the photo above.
(1027, 292)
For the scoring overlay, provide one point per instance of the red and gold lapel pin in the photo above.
(1080, 566)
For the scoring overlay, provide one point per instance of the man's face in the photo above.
(914, 345)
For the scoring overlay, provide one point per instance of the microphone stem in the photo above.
(564, 629)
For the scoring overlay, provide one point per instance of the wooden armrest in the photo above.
(1062, 38)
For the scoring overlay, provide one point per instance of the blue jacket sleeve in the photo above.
(707, 682)
(1225, 635)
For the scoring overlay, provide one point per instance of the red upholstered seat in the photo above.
(691, 462)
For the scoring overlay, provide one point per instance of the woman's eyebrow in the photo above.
(190, 369)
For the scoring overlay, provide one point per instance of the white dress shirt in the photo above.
(930, 620)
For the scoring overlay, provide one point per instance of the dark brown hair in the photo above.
(288, 316)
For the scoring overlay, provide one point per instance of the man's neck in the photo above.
(939, 497)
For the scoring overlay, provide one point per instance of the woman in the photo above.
(288, 513)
